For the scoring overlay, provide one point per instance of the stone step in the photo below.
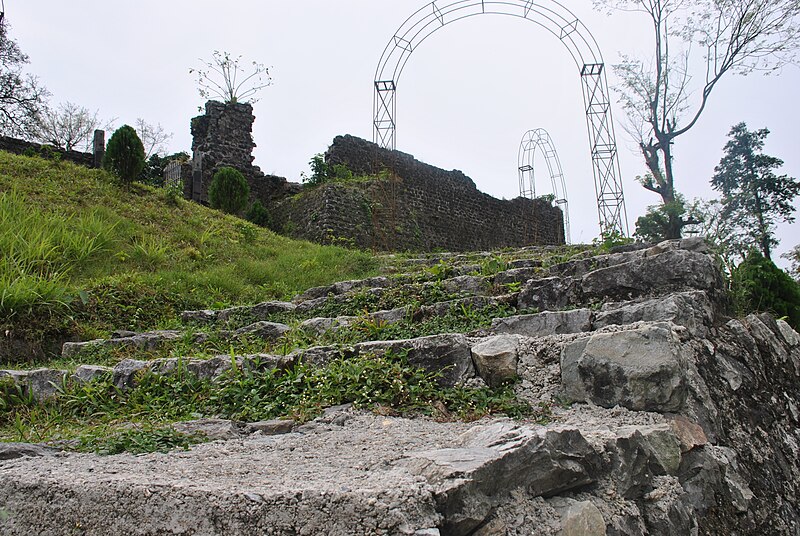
(357, 473)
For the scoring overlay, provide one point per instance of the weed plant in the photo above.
(106, 419)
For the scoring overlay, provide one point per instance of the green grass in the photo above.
(83, 256)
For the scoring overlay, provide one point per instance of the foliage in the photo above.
(754, 198)
(736, 36)
(610, 239)
(153, 172)
(229, 191)
(138, 440)
(259, 215)
(124, 154)
(22, 97)
(138, 260)
(322, 172)
(656, 224)
(68, 126)
(385, 382)
(224, 78)
(757, 285)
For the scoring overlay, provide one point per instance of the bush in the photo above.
(758, 285)
(259, 215)
(125, 154)
(229, 191)
(322, 172)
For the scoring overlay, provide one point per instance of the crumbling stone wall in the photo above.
(223, 137)
(17, 146)
(411, 205)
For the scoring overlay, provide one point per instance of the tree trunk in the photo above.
(675, 224)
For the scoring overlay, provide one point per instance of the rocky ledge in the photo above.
(669, 418)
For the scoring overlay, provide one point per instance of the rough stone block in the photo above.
(496, 359)
(545, 324)
(89, 373)
(642, 369)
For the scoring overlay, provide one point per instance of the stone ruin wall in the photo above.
(411, 206)
(17, 146)
(223, 137)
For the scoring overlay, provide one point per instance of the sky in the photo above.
(465, 99)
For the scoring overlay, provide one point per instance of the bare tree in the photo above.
(67, 127)
(21, 95)
(659, 95)
(154, 138)
(224, 78)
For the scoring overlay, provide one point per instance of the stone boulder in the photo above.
(642, 369)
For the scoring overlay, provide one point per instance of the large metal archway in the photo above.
(540, 140)
(557, 20)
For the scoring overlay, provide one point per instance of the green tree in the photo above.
(228, 191)
(659, 93)
(753, 196)
(125, 154)
(758, 285)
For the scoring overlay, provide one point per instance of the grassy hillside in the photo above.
(81, 256)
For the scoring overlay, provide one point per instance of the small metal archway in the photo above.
(556, 19)
(540, 140)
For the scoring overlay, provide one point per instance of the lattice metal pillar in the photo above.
(610, 201)
(385, 108)
(555, 18)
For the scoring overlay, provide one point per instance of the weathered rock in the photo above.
(11, 451)
(690, 435)
(342, 287)
(319, 325)
(691, 309)
(142, 341)
(45, 383)
(125, 372)
(643, 369)
(496, 359)
(517, 275)
(264, 330)
(448, 353)
(89, 373)
(638, 453)
(260, 311)
(272, 427)
(212, 429)
(672, 270)
(583, 519)
(549, 294)
(476, 285)
(544, 324)
(474, 477)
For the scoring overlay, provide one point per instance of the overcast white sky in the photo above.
(465, 99)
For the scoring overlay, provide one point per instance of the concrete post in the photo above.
(99, 148)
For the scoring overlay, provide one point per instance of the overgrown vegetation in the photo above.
(757, 285)
(103, 418)
(93, 257)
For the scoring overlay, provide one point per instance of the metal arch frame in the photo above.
(559, 21)
(531, 141)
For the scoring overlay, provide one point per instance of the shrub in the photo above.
(125, 154)
(259, 215)
(229, 191)
(758, 285)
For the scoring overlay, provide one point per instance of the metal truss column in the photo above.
(385, 108)
(605, 163)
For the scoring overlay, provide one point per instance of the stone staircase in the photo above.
(666, 417)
